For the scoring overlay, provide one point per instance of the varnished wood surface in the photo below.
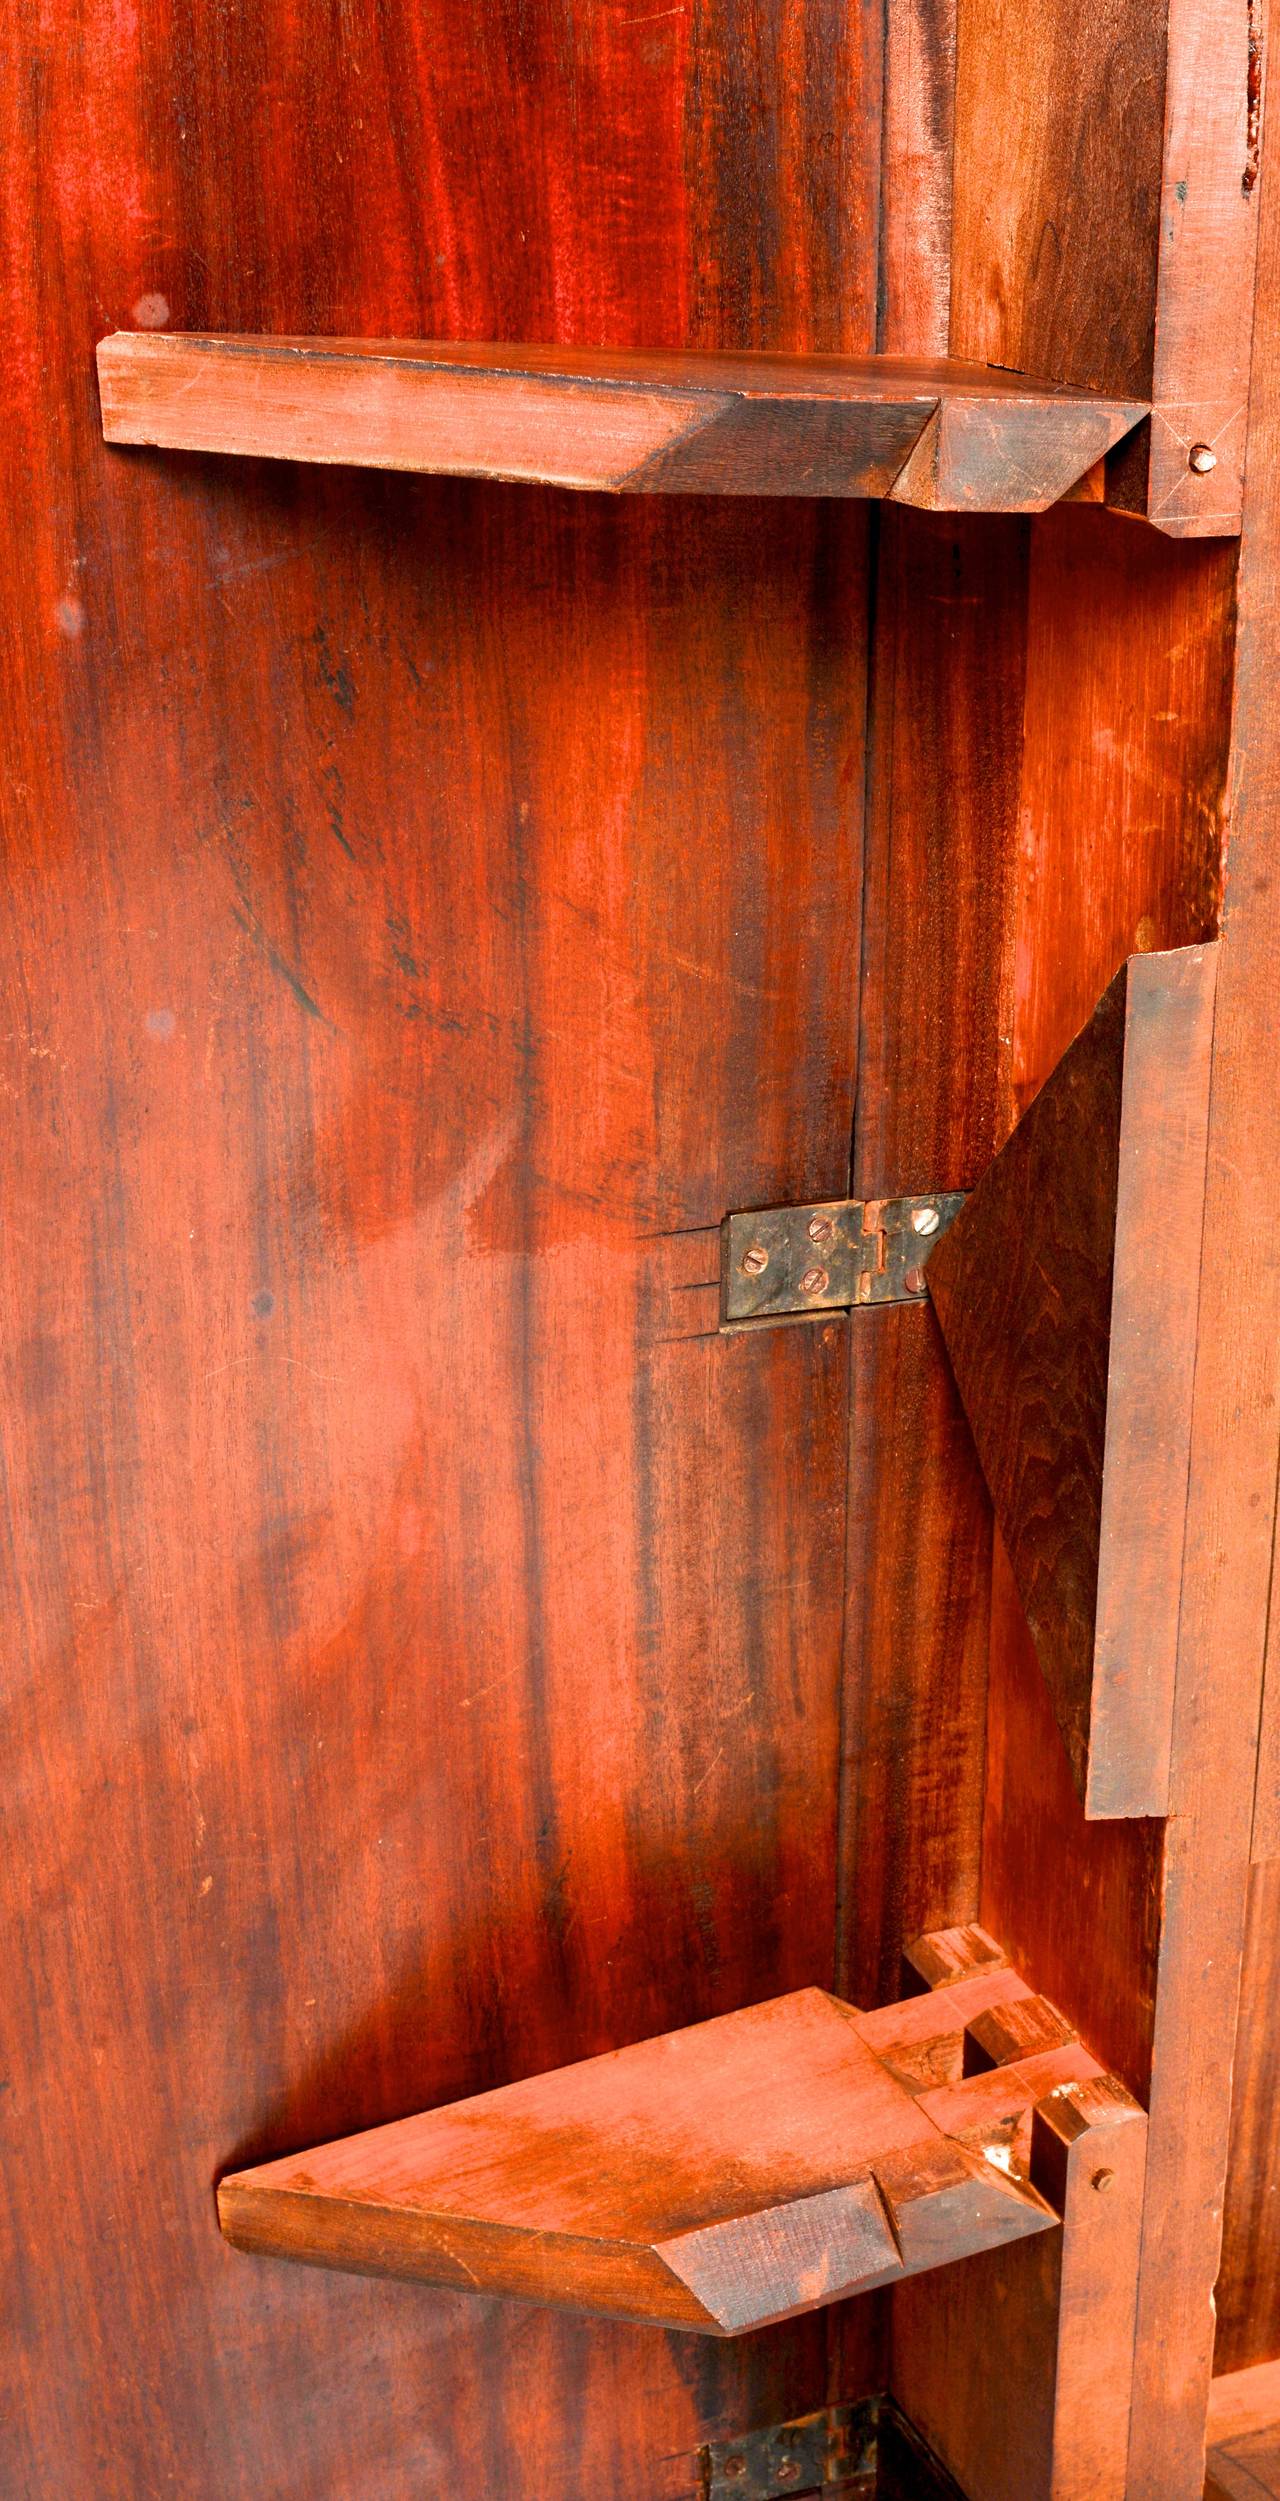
(406, 1692)
(947, 436)
(714, 2178)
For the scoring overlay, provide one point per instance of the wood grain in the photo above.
(384, 1040)
(1067, 1293)
(1244, 2435)
(951, 437)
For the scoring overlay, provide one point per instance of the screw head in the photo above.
(814, 1281)
(755, 1260)
(821, 1228)
(925, 1219)
(788, 2472)
(735, 2466)
(914, 1280)
(1202, 458)
(1103, 2180)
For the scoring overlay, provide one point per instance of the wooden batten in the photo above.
(1067, 1294)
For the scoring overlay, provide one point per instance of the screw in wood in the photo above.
(755, 1260)
(821, 1228)
(925, 1219)
(814, 1281)
(1202, 458)
(1103, 2180)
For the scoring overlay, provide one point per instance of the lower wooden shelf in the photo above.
(1244, 2436)
(721, 2177)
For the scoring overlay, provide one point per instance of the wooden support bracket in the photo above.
(1067, 1293)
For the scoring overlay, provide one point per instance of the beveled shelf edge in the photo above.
(676, 2184)
(940, 434)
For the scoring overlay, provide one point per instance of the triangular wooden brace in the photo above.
(1067, 1292)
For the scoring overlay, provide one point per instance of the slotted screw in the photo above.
(925, 1219)
(755, 1260)
(821, 1228)
(914, 1280)
(814, 1281)
(1202, 458)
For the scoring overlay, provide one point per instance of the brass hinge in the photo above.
(836, 1255)
(850, 2451)
(834, 2448)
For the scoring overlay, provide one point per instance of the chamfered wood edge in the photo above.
(617, 421)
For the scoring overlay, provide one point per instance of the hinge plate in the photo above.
(835, 2447)
(854, 2451)
(836, 1255)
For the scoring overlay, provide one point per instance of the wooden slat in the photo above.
(673, 2182)
(1227, 1560)
(709, 424)
(1067, 1293)
(1047, 2418)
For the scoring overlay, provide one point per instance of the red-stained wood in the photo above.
(413, 1694)
(951, 437)
(1045, 2417)
(672, 2182)
(1067, 1292)
(943, 774)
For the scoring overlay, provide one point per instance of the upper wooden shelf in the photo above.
(947, 436)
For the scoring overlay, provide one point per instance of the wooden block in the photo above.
(1067, 1294)
(688, 424)
(1021, 2029)
(950, 1954)
(976, 456)
(716, 2178)
(921, 2041)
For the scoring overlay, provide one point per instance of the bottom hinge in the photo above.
(837, 1254)
(865, 2449)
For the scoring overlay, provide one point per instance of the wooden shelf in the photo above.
(1067, 1293)
(1244, 2435)
(717, 2178)
(943, 435)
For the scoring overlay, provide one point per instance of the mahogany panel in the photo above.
(1059, 127)
(943, 768)
(371, 997)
